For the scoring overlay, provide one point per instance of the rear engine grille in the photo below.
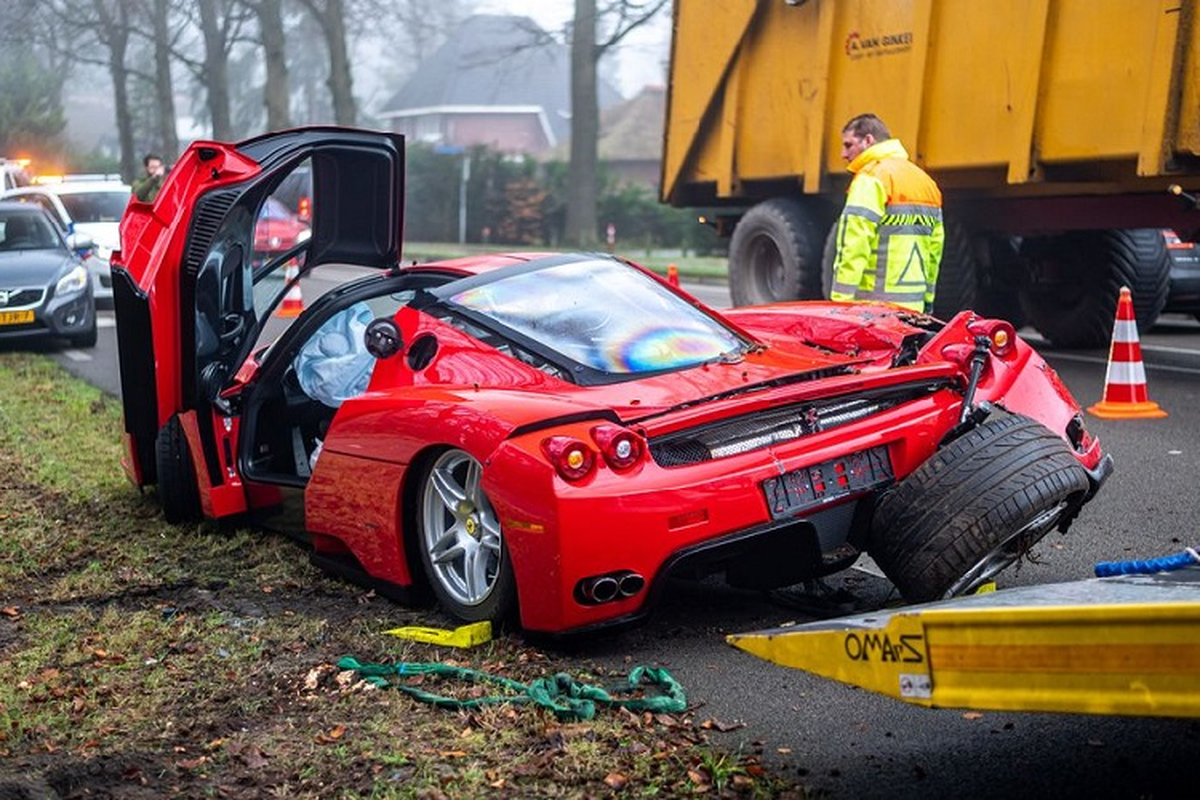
(210, 213)
(756, 431)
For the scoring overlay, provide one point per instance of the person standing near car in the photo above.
(146, 187)
(890, 234)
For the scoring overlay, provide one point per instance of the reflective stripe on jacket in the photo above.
(890, 235)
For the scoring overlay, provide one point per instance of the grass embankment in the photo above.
(139, 659)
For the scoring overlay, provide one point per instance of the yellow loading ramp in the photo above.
(1124, 645)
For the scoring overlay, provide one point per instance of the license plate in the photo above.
(814, 486)
(16, 317)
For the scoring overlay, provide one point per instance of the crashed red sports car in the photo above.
(547, 437)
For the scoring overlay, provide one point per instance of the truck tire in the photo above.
(177, 491)
(828, 253)
(974, 507)
(774, 255)
(957, 276)
(1000, 274)
(1074, 281)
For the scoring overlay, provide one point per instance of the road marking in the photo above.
(1150, 367)
(106, 322)
(76, 355)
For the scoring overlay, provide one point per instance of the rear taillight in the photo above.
(621, 447)
(304, 209)
(1000, 333)
(572, 459)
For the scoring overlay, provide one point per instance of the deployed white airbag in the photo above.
(334, 364)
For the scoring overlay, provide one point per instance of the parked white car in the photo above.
(89, 206)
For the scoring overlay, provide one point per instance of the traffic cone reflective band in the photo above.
(1125, 393)
(293, 301)
(672, 275)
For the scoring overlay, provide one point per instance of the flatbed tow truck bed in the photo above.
(1123, 645)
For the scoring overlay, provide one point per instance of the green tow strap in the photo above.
(569, 699)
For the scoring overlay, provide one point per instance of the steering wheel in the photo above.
(382, 338)
(232, 327)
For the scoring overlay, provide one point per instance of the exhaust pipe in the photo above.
(630, 584)
(600, 590)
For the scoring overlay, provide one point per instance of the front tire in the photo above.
(87, 339)
(775, 255)
(177, 491)
(974, 507)
(461, 543)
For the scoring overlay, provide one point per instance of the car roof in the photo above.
(13, 205)
(73, 187)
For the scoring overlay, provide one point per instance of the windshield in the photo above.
(27, 230)
(96, 206)
(601, 314)
(273, 209)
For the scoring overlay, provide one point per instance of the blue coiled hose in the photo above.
(1187, 558)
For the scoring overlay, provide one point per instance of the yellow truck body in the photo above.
(1036, 117)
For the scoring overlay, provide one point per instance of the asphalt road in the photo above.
(848, 743)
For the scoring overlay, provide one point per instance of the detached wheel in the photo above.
(177, 491)
(775, 255)
(976, 506)
(1076, 278)
(462, 546)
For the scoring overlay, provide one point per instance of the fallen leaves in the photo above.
(250, 755)
(713, 724)
(331, 736)
(616, 781)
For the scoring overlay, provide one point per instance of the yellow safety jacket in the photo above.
(890, 235)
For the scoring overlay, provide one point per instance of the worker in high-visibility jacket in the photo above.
(890, 234)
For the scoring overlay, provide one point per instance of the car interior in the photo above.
(309, 372)
(23, 231)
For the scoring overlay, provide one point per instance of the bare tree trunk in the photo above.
(276, 94)
(163, 91)
(331, 16)
(216, 73)
(340, 82)
(585, 125)
(114, 19)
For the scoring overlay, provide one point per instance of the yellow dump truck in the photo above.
(1054, 128)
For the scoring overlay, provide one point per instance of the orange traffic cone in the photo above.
(672, 275)
(293, 301)
(1125, 393)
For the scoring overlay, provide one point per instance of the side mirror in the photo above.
(383, 338)
(81, 243)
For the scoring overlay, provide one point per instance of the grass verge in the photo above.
(139, 659)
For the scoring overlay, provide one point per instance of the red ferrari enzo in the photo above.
(546, 437)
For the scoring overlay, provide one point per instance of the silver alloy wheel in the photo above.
(460, 532)
(1007, 552)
